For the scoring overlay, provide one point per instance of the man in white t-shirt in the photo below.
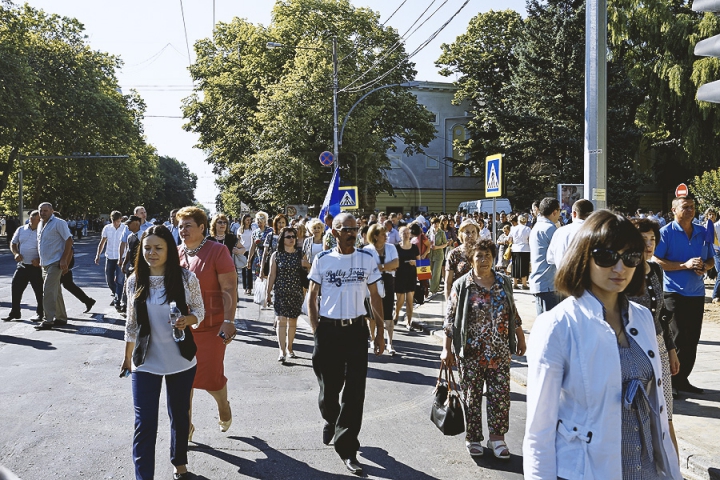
(564, 236)
(344, 275)
(111, 237)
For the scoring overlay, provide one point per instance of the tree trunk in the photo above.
(6, 172)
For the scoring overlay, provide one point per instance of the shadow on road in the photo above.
(391, 468)
(275, 465)
(27, 342)
(489, 462)
(682, 406)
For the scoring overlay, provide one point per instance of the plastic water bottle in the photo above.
(178, 335)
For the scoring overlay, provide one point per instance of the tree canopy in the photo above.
(525, 81)
(59, 97)
(264, 116)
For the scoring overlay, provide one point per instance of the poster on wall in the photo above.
(569, 193)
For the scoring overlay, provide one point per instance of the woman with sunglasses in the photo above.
(219, 233)
(285, 277)
(595, 403)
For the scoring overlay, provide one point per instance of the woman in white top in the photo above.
(387, 258)
(595, 402)
(245, 237)
(313, 244)
(520, 238)
(152, 350)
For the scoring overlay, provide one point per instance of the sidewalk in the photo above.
(696, 418)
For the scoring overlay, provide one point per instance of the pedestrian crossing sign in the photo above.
(349, 199)
(493, 176)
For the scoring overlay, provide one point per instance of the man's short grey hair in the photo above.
(340, 219)
(45, 204)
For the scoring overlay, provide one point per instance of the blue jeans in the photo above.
(716, 256)
(146, 398)
(115, 278)
(545, 301)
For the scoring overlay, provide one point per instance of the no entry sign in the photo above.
(681, 190)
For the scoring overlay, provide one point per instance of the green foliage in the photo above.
(524, 80)
(177, 186)
(59, 97)
(264, 116)
(706, 188)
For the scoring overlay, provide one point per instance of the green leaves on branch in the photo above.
(264, 116)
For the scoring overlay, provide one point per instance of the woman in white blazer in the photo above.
(595, 404)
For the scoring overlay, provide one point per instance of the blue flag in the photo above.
(331, 204)
(710, 233)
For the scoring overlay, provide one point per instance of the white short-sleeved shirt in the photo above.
(390, 254)
(344, 280)
(114, 237)
(26, 240)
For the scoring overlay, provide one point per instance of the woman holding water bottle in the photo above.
(159, 291)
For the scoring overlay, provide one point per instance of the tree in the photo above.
(533, 110)
(60, 97)
(706, 188)
(177, 186)
(264, 116)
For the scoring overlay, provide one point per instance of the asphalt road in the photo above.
(66, 414)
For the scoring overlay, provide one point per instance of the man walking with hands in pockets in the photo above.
(343, 275)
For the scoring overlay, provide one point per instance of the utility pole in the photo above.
(336, 149)
(596, 103)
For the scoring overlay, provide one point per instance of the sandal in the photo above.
(474, 448)
(498, 447)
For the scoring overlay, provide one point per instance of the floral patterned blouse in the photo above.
(258, 239)
(489, 323)
(457, 262)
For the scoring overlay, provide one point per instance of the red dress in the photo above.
(212, 260)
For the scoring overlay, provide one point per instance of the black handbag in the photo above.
(447, 408)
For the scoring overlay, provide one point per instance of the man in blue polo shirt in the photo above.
(685, 257)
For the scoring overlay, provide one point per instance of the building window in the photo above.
(432, 162)
(434, 119)
(395, 161)
(458, 136)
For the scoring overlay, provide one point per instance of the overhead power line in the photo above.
(424, 44)
(187, 43)
(393, 14)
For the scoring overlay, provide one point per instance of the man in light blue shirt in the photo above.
(542, 278)
(685, 256)
(55, 248)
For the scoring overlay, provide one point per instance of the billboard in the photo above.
(567, 194)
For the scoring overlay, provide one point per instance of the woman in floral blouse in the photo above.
(258, 241)
(483, 330)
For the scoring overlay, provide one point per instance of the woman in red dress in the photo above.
(214, 268)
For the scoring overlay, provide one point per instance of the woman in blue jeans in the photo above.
(152, 352)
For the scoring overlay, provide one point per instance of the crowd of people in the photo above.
(627, 289)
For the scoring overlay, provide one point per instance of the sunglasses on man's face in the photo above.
(349, 229)
(607, 258)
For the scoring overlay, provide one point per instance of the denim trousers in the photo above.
(545, 301)
(716, 290)
(114, 277)
(146, 398)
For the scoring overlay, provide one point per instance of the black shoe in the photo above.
(11, 317)
(90, 303)
(328, 433)
(675, 393)
(181, 476)
(36, 318)
(353, 466)
(60, 323)
(113, 303)
(45, 325)
(690, 389)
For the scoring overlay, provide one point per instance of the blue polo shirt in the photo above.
(675, 246)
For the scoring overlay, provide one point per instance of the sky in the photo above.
(156, 44)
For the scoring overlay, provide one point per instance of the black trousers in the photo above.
(23, 275)
(69, 284)
(340, 359)
(686, 324)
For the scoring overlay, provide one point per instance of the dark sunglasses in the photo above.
(222, 222)
(606, 258)
(291, 237)
(349, 229)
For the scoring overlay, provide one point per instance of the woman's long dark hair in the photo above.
(174, 273)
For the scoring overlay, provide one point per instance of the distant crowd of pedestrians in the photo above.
(624, 289)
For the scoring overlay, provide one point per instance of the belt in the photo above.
(341, 322)
(30, 265)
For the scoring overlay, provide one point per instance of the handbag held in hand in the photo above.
(447, 408)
